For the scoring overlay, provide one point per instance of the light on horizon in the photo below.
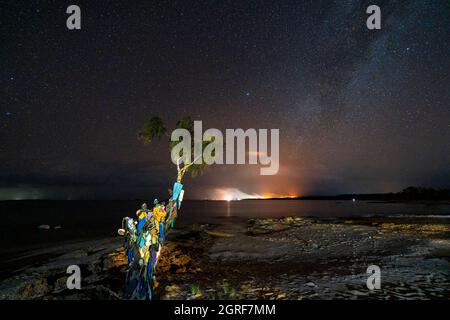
(232, 194)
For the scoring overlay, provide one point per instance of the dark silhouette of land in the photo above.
(408, 194)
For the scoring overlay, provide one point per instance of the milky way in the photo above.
(358, 110)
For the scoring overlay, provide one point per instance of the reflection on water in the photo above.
(88, 219)
(208, 210)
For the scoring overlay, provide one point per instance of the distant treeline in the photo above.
(420, 193)
(408, 194)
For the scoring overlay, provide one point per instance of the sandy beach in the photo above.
(283, 258)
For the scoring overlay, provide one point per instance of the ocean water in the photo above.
(82, 220)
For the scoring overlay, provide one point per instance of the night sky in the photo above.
(358, 110)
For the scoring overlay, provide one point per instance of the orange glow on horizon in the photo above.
(273, 195)
(233, 194)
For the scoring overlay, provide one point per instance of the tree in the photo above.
(155, 128)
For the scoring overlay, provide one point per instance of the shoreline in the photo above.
(280, 258)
